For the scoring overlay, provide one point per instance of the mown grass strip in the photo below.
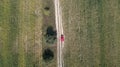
(4, 23)
(102, 33)
(13, 30)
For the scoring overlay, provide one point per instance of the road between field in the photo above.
(59, 28)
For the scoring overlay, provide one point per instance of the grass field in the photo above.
(92, 33)
(91, 30)
(20, 33)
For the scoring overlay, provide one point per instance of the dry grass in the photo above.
(91, 31)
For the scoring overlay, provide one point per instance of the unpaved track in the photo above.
(59, 27)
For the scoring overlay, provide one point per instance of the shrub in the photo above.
(48, 55)
(50, 35)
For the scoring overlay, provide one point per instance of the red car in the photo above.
(62, 38)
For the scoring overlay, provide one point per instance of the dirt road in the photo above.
(59, 27)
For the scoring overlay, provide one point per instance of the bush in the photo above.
(50, 35)
(47, 11)
(50, 31)
(48, 55)
(47, 8)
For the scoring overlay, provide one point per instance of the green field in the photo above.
(92, 33)
(23, 24)
(20, 24)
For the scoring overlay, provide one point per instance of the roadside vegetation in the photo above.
(48, 55)
(49, 35)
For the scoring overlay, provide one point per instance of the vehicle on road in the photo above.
(62, 37)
